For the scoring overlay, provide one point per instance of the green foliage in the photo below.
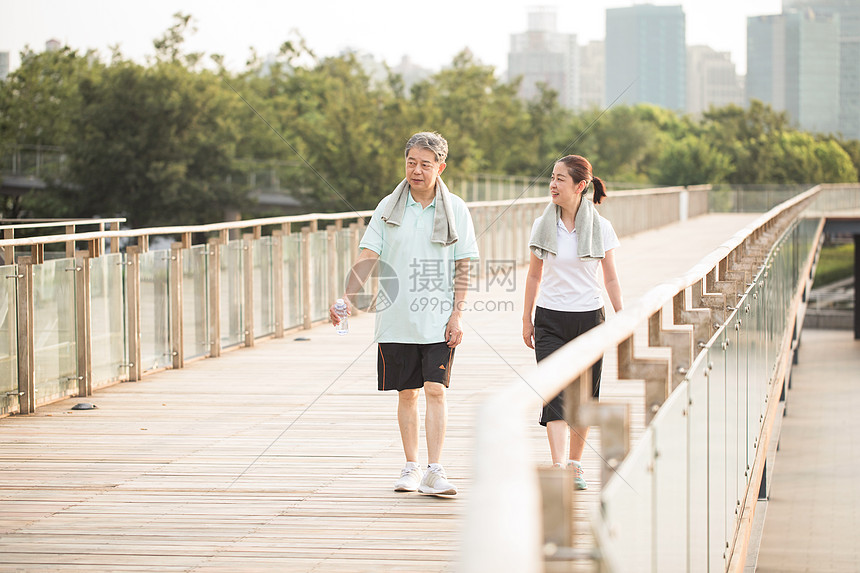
(173, 141)
(39, 99)
(154, 145)
(690, 160)
(480, 116)
(835, 263)
(620, 143)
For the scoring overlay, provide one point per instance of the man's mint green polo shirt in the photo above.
(419, 310)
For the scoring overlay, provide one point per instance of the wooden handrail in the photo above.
(63, 223)
(209, 228)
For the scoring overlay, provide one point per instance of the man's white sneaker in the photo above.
(435, 482)
(410, 477)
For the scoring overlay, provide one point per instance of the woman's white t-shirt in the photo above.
(568, 283)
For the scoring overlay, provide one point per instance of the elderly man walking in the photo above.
(423, 235)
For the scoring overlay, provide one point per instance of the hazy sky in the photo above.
(429, 32)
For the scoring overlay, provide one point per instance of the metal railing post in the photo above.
(132, 289)
(26, 342)
(114, 242)
(331, 268)
(306, 277)
(9, 250)
(83, 326)
(278, 281)
(248, 274)
(214, 247)
(175, 305)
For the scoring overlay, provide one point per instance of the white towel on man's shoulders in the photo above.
(444, 226)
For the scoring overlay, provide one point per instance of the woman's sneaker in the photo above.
(578, 476)
(410, 477)
(435, 482)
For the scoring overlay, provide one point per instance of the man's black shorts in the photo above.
(402, 366)
(554, 329)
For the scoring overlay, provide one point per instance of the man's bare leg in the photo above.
(407, 419)
(435, 420)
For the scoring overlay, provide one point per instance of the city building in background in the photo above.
(53, 45)
(646, 55)
(542, 55)
(793, 64)
(592, 78)
(848, 12)
(4, 65)
(712, 80)
(411, 72)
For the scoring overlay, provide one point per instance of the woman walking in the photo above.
(570, 243)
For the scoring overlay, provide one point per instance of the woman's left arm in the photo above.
(610, 280)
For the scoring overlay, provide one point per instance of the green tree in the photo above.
(38, 104)
(851, 147)
(835, 163)
(690, 161)
(342, 128)
(487, 126)
(546, 129)
(38, 101)
(620, 144)
(749, 137)
(154, 145)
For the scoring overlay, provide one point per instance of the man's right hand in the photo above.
(332, 313)
(359, 273)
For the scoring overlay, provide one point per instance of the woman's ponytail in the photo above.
(599, 190)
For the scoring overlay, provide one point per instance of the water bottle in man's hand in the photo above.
(342, 311)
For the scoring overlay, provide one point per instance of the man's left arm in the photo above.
(454, 331)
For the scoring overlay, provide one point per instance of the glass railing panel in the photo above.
(773, 314)
(154, 310)
(841, 198)
(345, 256)
(697, 428)
(751, 198)
(736, 382)
(627, 506)
(8, 338)
(292, 254)
(108, 313)
(232, 303)
(318, 249)
(54, 329)
(195, 301)
(717, 454)
(670, 482)
(758, 379)
(264, 302)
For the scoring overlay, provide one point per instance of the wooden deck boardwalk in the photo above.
(279, 457)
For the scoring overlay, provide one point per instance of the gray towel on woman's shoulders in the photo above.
(589, 235)
(444, 229)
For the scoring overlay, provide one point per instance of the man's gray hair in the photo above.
(429, 140)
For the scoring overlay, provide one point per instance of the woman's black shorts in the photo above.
(554, 329)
